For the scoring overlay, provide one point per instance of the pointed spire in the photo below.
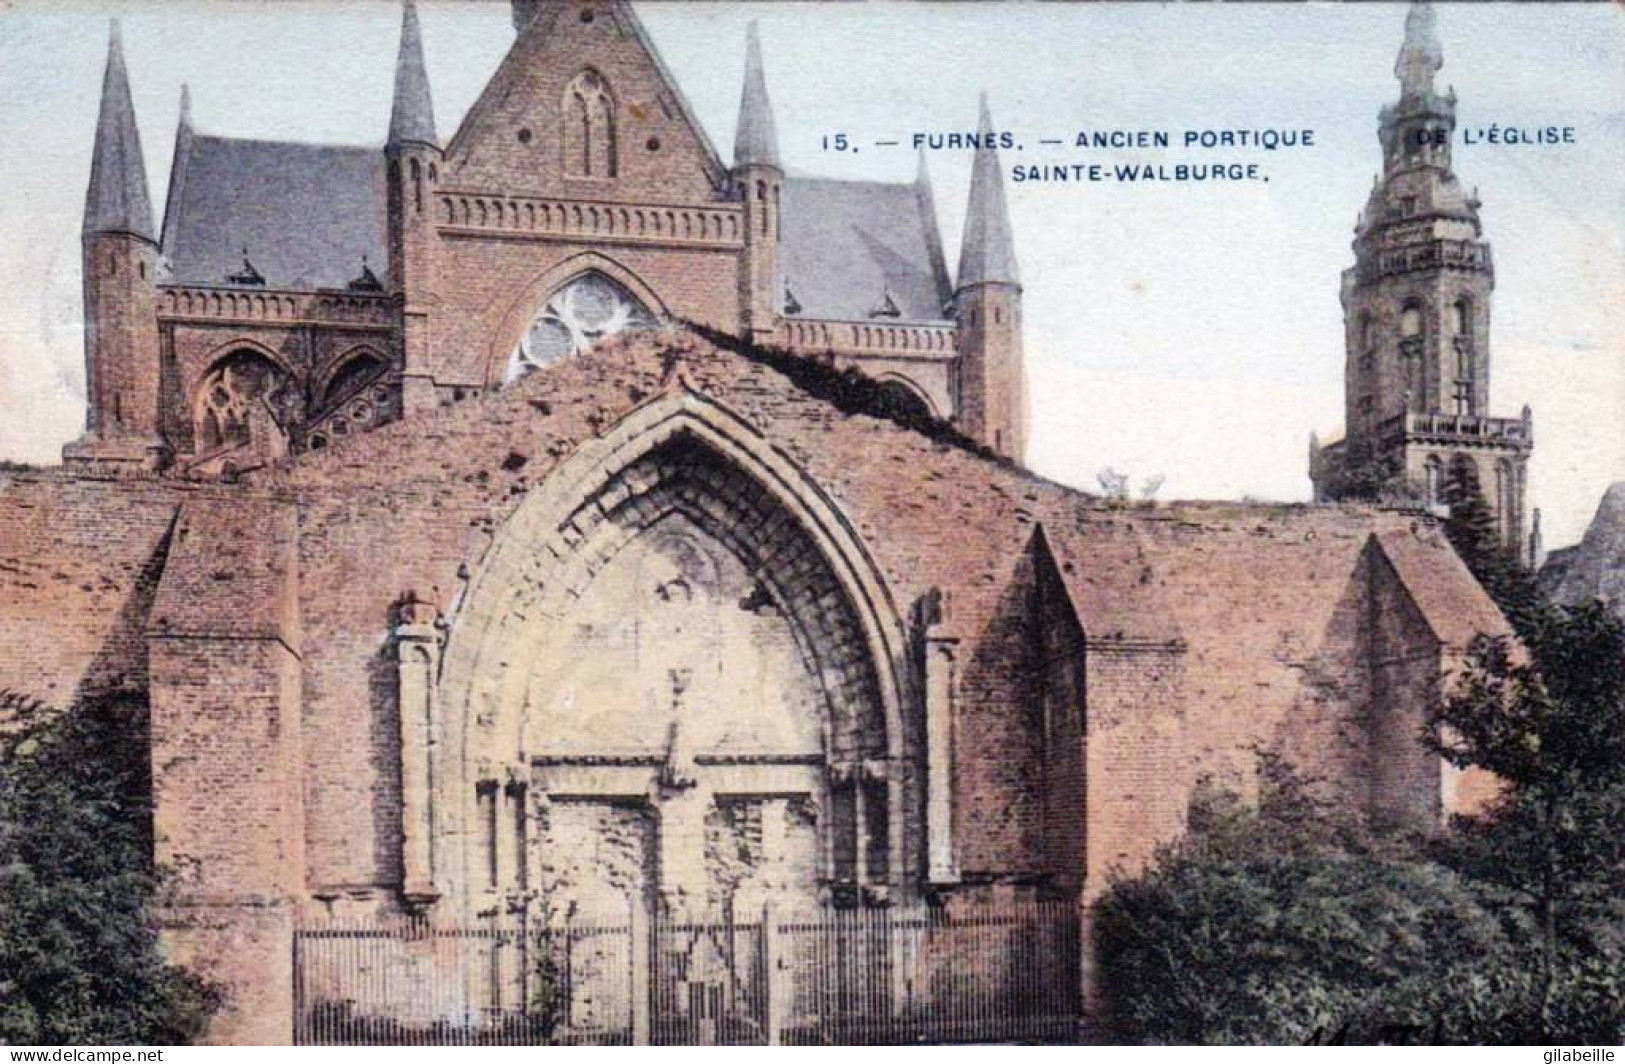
(756, 142)
(988, 252)
(1421, 56)
(524, 13)
(922, 186)
(186, 107)
(117, 198)
(412, 118)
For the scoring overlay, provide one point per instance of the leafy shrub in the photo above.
(1290, 924)
(79, 955)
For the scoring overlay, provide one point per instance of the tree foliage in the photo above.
(1473, 530)
(1291, 923)
(79, 955)
(1550, 722)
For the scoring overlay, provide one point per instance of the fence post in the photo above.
(1088, 999)
(772, 1006)
(640, 929)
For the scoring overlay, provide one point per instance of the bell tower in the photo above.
(1416, 315)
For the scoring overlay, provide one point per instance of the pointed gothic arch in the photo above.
(906, 394)
(348, 372)
(532, 300)
(588, 130)
(678, 467)
(245, 383)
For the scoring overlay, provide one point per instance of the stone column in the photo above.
(417, 644)
(941, 680)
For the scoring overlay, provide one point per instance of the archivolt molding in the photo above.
(525, 578)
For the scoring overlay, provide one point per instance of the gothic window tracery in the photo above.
(589, 127)
(575, 317)
(241, 387)
(351, 377)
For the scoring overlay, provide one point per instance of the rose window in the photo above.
(586, 310)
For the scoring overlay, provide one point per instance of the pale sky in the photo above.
(1192, 331)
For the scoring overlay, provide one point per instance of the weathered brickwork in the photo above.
(1108, 658)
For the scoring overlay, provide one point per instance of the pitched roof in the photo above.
(534, 20)
(1454, 604)
(848, 245)
(306, 214)
(117, 199)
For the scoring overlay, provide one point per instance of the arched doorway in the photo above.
(672, 685)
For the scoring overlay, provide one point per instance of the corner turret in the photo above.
(120, 266)
(759, 179)
(413, 156)
(992, 401)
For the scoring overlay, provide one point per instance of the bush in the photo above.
(1290, 924)
(79, 955)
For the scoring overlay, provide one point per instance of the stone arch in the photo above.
(908, 392)
(346, 372)
(524, 309)
(240, 379)
(679, 454)
(588, 133)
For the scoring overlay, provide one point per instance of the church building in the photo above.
(554, 517)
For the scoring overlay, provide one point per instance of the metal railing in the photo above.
(986, 971)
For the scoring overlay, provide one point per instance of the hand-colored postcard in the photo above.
(542, 522)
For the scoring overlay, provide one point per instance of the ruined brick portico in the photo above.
(355, 660)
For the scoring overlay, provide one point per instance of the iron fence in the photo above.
(989, 971)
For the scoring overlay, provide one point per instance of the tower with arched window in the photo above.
(1416, 308)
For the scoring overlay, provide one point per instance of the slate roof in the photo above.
(306, 213)
(116, 200)
(988, 253)
(412, 117)
(847, 245)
